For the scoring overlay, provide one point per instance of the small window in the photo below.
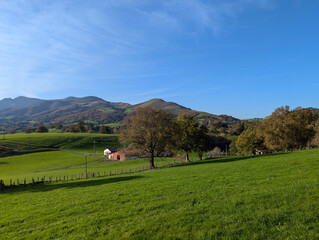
(118, 157)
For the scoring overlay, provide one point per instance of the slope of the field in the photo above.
(62, 155)
(65, 164)
(80, 142)
(265, 197)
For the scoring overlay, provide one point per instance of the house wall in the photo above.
(117, 156)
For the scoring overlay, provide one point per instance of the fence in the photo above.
(73, 177)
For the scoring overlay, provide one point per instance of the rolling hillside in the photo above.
(252, 197)
(94, 109)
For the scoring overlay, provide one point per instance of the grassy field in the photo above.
(257, 197)
(80, 142)
(63, 163)
(58, 155)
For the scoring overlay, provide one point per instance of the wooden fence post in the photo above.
(18, 182)
(25, 182)
(32, 181)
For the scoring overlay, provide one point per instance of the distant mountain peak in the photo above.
(17, 102)
(91, 108)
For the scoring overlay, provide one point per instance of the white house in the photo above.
(108, 151)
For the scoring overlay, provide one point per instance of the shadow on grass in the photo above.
(68, 185)
(3, 162)
(231, 159)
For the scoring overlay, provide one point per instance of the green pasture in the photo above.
(255, 197)
(81, 142)
(66, 163)
(62, 155)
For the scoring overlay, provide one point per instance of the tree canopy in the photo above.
(191, 136)
(149, 130)
(41, 129)
(283, 130)
(287, 129)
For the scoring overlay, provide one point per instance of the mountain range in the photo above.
(96, 110)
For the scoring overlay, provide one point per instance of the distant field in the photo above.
(63, 163)
(83, 142)
(256, 197)
(63, 154)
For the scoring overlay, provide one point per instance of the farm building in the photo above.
(108, 151)
(117, 156)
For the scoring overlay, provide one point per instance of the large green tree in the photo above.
(287, 129)
(249, 141)
(149, 130)
(191, 136)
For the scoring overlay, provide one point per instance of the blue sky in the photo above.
(242, 58)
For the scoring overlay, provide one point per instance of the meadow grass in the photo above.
(67, 164)
(82, 142)
(256, 197)
(62, 154)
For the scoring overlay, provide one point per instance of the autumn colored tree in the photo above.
(149, 130)
(287, 129)
(249, 141)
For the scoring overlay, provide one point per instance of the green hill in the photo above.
(27, 112)
(255, 197)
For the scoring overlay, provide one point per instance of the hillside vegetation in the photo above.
(256, 197)
(25, 112)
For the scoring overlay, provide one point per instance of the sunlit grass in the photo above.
(256, 197)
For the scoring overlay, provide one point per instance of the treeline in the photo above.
(283, 130)
(154, 132)
(79, 127)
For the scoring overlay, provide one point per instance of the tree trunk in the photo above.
(187, 157)
(152, 166)
(200, 155)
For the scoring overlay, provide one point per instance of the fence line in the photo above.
(74, 177)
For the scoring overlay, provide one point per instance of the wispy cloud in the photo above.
(53, 45)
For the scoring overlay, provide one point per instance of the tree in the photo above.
(238, 128)
(72, 128)
(41, 129)
(149, 130)
(80, 126)
(248, 141)
(287, 129)
(104, 129)
(191, 136)
(202, 141)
